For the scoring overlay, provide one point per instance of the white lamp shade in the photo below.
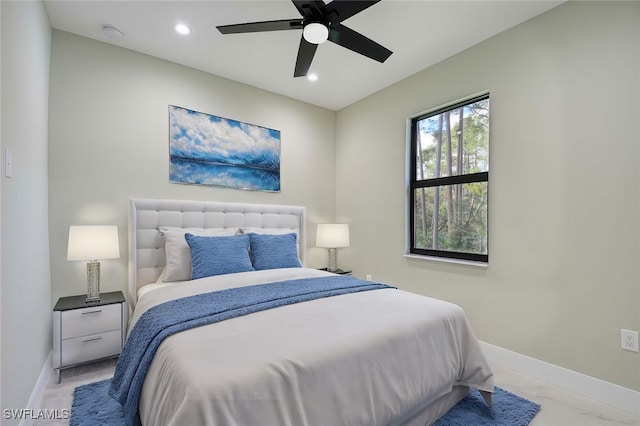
(332, 235)
(93, 243)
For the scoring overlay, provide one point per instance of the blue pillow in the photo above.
(218, 255)
(270, 251)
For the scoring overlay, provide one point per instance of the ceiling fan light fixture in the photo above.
(319, 22)
(315, 32)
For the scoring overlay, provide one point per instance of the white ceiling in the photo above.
(420, 33)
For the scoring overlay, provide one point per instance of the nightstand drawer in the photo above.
(92, 320)
(87, 348)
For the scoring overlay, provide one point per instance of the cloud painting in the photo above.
(209, 150)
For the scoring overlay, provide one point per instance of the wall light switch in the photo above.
(8, 163)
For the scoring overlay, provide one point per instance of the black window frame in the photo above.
(414, 184)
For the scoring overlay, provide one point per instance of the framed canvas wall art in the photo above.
(208, 150)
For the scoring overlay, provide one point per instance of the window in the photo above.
(449, 180)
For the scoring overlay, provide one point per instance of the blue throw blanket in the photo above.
(161, 321)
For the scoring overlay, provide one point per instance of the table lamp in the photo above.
(93, 243)
(332, 236)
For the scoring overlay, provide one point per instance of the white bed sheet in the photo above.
(365, 358)
(150, 287)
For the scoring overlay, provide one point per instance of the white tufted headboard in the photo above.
(146, 246)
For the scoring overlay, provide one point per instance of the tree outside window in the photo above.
(449, 179)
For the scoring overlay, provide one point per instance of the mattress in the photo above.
(371, 358)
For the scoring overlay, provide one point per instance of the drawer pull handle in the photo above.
(92, 312)
(91, 339)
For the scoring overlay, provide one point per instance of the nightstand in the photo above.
(337, 271)
(88, 331)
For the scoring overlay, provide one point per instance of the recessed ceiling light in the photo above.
(182, 29)
(312, 77)
(112, 32)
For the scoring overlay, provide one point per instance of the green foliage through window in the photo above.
(450, 180)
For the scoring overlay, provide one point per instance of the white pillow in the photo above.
(177, 253)
(269, 231)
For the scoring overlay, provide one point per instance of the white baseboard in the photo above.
(590, 387)
(38, 390)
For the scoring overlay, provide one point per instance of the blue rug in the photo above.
(507, 410)
(92, 406)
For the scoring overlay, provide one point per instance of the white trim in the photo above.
(590, 387)
(38, 390)
(447, 260)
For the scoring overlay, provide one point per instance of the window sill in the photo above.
(447, 260)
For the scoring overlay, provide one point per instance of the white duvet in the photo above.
(366, 358)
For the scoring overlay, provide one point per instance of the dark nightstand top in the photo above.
(79, 302)
(337, 271)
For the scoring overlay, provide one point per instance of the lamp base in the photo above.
(93, 281)
(333, 260)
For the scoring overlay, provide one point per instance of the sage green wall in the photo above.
(26, 290)
(564, 274)
(108, 141)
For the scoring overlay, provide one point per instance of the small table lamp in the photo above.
(93, 243)
(332, 236)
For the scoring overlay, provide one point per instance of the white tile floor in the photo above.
(559, 407)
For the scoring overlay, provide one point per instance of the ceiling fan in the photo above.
(320, 22)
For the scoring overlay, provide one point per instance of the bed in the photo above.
(368, 355)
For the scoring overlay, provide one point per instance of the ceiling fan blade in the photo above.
(339, 10)
(305, 56)
(352, 40)
(254, 27)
